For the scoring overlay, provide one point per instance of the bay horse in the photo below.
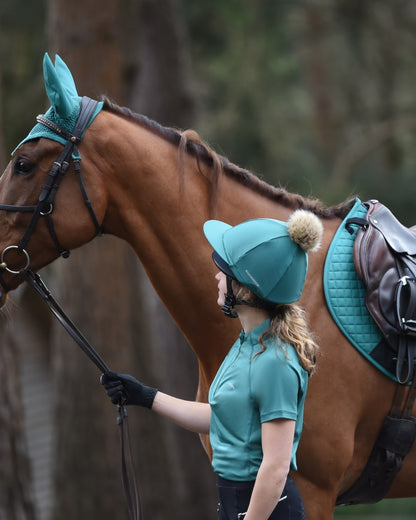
(154, 187)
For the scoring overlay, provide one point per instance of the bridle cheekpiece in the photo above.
(45, 204)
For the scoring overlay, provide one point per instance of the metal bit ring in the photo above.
(4, 263)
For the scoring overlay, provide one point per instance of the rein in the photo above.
(127, 465)
(44, 208)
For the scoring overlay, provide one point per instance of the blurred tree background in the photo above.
(317, 96)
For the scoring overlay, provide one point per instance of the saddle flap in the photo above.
(400, 238)
(386, 294)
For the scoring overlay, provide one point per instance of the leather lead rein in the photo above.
(127, 464)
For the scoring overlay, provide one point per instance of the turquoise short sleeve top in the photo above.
(248, 391)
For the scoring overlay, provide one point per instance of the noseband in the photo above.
(45, 204)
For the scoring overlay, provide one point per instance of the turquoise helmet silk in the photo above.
(65, 101)
(265, 255)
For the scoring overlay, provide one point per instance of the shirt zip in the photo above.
(226, 364)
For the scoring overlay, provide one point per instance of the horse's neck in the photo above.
(162, 219)
(157, 211)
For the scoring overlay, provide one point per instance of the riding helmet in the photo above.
(268, 256)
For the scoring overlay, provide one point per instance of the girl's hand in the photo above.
(125, 389)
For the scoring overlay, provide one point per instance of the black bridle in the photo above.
(44, 208)
(45, 204)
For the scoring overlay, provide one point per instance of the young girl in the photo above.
(255, 410)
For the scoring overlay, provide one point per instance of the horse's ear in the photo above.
(60, 86)
(65, 76)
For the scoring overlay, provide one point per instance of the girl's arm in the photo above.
(277, 441)
(125, 389)
(191, 415)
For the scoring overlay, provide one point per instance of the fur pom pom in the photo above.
(305, 229)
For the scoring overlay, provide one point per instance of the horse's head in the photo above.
(42, 190)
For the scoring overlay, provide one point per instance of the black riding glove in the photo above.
(125, 389)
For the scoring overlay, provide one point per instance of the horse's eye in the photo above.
(23, 167)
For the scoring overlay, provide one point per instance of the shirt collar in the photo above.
(253, 336)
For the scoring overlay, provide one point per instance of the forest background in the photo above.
(316, 96)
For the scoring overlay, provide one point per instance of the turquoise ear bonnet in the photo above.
(262, 257)
(65, 102)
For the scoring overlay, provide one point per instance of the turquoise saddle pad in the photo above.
(345, 292)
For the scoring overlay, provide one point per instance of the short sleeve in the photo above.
(275, 386)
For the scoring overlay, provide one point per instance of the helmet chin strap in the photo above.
(229, 301)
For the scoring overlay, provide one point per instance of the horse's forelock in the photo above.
(190, 142)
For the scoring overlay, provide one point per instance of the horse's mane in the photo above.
(190, 142)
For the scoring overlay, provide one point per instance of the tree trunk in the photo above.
(319, 81)
(106, 293)
(163, 88)
(162, 91)
(15, 485)
(93, 288)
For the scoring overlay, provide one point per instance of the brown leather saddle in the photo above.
(385, 259)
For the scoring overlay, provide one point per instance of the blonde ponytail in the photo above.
(288, 325)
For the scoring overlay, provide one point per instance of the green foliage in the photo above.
(22, 44)
(312, 95)
(403, 509)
